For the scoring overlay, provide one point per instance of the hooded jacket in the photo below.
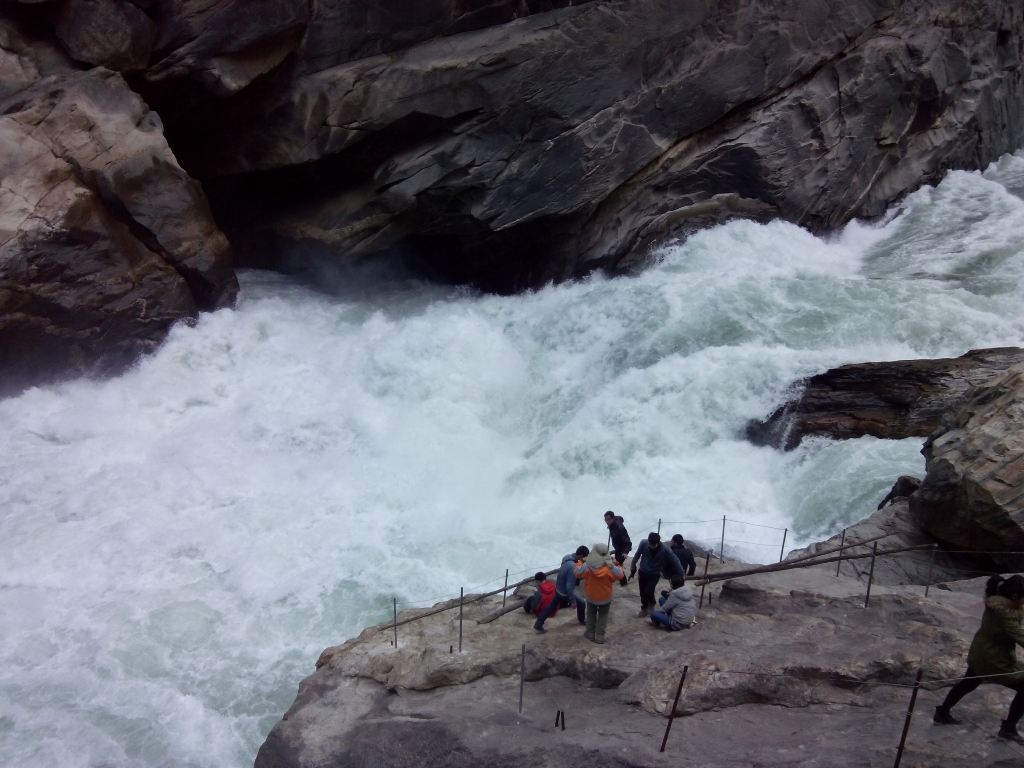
(993, 650)
(547, 594)
(565, 582)
(620, 536)
(681, 606)
(663, 562)
(685, 558)
(598, 573)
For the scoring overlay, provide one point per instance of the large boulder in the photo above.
(104, 240)
(892, 400)
(972, 496)
(566, 141)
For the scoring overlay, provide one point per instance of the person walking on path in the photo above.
(993, 654)
(598, 572)
(678, 608)
(621, 544)
(565, 590)
(683, 553)
(653, 559)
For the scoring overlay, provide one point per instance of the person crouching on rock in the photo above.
(653, 559)
(598, 572)
(993, 654)
(565, 590)
(542, 603)
(678, 607)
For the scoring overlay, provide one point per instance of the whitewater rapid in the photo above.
(180, 543)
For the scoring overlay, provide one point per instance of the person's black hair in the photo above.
(678, 538)
(1013, 588)
(582, 551)
(992, 585)
(677, 583)
(609, 512)
(540, 576)
(653, 538)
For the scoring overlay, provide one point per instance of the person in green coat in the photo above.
(993, 654)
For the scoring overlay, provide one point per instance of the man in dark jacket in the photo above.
(654, 560)
(620, 538)
(565, 589)
(681, 551)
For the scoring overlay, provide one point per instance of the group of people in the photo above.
(586, 580)
(587, 576)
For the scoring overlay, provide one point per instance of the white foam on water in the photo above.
(180, 543)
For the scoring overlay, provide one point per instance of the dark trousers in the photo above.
(648, 583)
(620, 558)
(964, 687)
(561, 601)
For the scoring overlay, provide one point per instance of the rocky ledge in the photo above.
(784, 669)
(503, 143)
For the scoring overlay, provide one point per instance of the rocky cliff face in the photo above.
(787, 669)
(499, 142)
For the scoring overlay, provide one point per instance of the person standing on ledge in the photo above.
(620, 538)
(683, 553)
(993, 654)
(654, 559)
(598, 572)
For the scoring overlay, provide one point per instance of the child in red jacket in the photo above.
(541, 599)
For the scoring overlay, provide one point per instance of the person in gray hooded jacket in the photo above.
(678, 608)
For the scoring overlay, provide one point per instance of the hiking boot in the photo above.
(644, 613)
(1009, 732)
(599, 640)
(943, 717)
(539, 630)
(588, 636)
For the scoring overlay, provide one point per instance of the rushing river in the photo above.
(180, 543)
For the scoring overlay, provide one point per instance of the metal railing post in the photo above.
(842, 543)
(931, 564)
(659, 526)
(462, 600)
(672, 714)
(395, 600)
(703, 586)
(522, 679)
(782, 551)
(503, 591)
(721, 550)
(906, 723)
(871, 574)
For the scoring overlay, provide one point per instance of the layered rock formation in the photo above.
(499, 142)
(787, 669)
(972, 496)
(104, 240)
(893, 400)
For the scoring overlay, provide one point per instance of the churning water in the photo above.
(179, 544)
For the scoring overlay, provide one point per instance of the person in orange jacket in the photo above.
(598, 572)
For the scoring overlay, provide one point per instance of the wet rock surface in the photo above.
(506, 143)
(784, 669)
(972, 496)
(892, 400)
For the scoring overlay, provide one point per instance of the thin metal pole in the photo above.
(783, 550)
(505, 589)
(703, 586)
(906, 723)
(462, 596)
(672, 714)
(842, 543)
(871, 574)
(522, 679)
(931, 564)
(721, 550)
(395, 599)
(659, 526)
